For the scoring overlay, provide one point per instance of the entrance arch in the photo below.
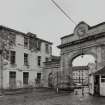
(92, 54)
(84, 40)
(80, 69)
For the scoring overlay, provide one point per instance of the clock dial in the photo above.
(81, 31)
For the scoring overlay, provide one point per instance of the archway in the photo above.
(50, 80)
(80, 69)
(85, 40)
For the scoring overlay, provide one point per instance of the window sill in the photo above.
(39, 65)
(27, 66)
(26, 48)
(13, 65)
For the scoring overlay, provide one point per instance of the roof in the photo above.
(67, 36)
(53, 60)
(13, 30)
(45, 41)
(29, 34)
(55, 57)
(90, 27)
(100, 72)
(94, 26)
(80, 68)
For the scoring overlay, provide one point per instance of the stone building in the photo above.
(80, 74)
(22, 57)
(85, 40)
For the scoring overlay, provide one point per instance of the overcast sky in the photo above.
(44, 19)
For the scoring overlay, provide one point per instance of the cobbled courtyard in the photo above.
(50, 97)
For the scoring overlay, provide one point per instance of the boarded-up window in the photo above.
(33, 44)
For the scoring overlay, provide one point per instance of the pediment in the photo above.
(81, 29)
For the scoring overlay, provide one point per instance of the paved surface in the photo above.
(47, 97)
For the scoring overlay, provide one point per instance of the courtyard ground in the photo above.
(50, 97)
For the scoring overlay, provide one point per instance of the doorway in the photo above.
(50, 80)
(12, 79)
(96, 85)
(25, 78)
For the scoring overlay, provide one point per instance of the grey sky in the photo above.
(43, 18)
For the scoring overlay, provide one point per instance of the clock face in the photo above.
(81, 31)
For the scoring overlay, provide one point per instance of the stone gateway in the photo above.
(85, 39)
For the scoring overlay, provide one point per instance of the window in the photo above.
(12, 58)
(47, 48)
(12, 74)
(50, 50)
(39, 60)
(39, 76)
(12, 39)
(38, 79)
(46, 59)
(103, 78)
(25, 78)
(26, 42)
(39, 45)
(25, 59)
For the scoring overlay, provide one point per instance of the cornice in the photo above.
(29, 34)
(80, 41)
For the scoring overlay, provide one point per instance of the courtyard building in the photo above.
(22, 56)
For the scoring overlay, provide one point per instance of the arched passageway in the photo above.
(80, 69)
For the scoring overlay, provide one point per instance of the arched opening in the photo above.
(50, 80)
(80, 69)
